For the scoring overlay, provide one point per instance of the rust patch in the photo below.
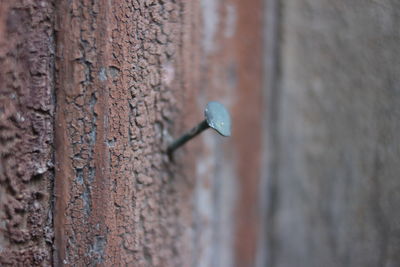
(26, 132)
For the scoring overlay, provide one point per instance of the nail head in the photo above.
(218, 118)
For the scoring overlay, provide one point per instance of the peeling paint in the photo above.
(122, 206)
(102, 74)
(26, 137)
(87, 202)
(97, 249)
(113, 72)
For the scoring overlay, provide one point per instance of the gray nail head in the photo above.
(218, 118)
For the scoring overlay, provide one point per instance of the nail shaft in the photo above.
(187, 136)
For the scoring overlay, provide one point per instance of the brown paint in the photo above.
(26, 125)
(247, 129)
(127, 79)
(120, 76)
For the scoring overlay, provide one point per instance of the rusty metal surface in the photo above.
(26, 132)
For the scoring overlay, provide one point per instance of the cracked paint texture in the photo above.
(26, 132)
(118, 70)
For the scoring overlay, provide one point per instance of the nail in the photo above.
(217, 118)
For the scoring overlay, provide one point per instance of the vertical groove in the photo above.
(272, 67)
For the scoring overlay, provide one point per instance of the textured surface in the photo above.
(119, 68)
(26, 132)
(127, 76)
(334, 182)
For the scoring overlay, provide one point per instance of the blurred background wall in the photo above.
(333, 150)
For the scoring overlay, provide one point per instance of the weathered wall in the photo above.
(121, 73)
(26, 132)
(334, 167)
(130, 75)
